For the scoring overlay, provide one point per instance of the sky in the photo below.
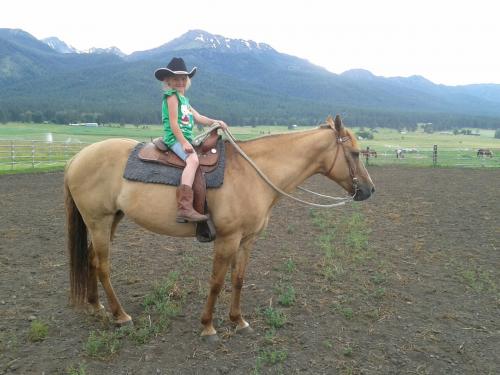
(448, 42)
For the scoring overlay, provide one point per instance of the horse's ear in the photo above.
(338, 123)
(329, 121)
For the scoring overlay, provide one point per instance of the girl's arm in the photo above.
(173, 102)
(206, 121)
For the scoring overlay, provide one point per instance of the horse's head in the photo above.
(343, 164)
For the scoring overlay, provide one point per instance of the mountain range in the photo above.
(240, 81)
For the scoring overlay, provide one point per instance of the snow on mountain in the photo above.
(58, 45)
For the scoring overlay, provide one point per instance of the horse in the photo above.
(482, 152)
(97, 197)
(368, 153)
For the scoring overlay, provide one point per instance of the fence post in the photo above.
(33, 154)
(12, 155)
(434, 155)
(367, 155)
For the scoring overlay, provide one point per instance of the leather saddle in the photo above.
(158, 152)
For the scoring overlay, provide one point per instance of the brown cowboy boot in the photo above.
(185, 210)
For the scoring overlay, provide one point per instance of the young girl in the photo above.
(178, 120)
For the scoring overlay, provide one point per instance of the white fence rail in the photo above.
(436, 156)
(18, 154)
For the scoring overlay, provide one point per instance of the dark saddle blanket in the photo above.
(157, 167)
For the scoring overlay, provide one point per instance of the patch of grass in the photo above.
(286, 295)
(378, 278)
(478, 279)
(263, 235)
(327, 344)
(270, 357)
(289, 266)
(373, 314)
(274, 318)
(270, 336)
(343, 241)
(319, 218)
(103, 344)
(164, 298)
(80, 370)
(348, 351)
(38, 331)
(379, 293)
(346, 312)
(291, 229)
(160, 305)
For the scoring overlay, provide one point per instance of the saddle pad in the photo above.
(149, 172)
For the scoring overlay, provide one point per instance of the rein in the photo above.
(343, 200)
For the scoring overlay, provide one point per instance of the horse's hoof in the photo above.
(210, 339)
(245, 330)
(125, 323)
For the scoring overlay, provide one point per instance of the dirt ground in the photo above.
(420, 296)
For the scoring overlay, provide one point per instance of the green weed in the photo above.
(103, 344)
(80, 370)
(274, 318)
(348, 351)
(269, 357)
(289, 266)
(327, 344)
(286, 296)
(478, 279)
(38, 331)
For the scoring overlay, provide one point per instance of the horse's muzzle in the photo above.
(364, 192)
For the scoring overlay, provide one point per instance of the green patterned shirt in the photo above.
(185, 118)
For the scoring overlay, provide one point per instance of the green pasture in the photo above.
(390, 139)
(39, 147)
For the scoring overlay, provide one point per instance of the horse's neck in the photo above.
(288, 159)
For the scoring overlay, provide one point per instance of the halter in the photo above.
(352, 169)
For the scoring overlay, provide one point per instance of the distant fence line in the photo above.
(437, 156)
(18, 154)
(25, 154)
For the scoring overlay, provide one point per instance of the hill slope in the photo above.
(241, 81)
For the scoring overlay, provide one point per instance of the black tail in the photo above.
(78, 250)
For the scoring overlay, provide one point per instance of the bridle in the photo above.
(340, 141)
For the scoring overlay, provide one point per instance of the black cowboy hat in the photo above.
(174, 67)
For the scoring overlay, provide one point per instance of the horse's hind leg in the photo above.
(101, 239)
(238, 268)
(92, 294)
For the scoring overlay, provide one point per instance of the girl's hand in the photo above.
(187, 147)
(223, 125)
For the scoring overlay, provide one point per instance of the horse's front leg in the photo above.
(224, 250)
(238, 268)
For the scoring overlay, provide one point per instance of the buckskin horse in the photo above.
(97, 197)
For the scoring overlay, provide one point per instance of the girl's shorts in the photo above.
(179, 151)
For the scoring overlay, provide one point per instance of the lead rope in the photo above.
(232, 140)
